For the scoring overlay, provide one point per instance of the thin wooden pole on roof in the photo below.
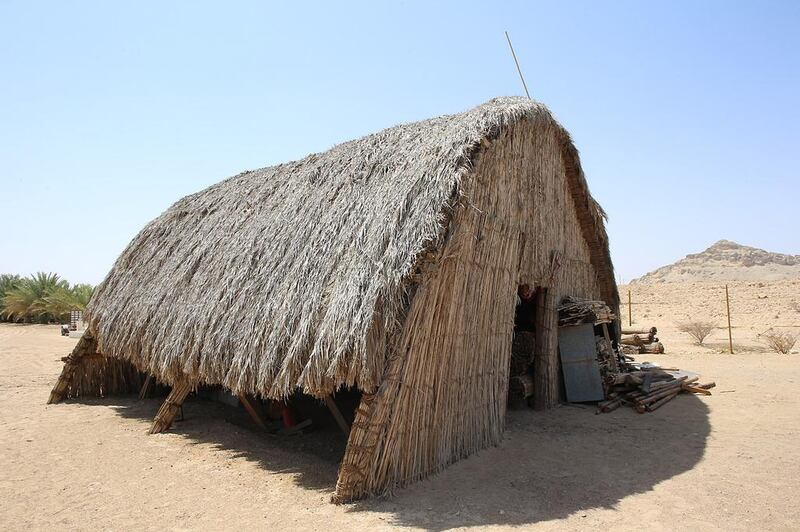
(524, 85)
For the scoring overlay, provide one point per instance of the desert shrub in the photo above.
(699, 330)
(780, 342)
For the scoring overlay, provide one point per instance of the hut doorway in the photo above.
(523, 348)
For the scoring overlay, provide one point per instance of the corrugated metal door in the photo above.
(576, 345)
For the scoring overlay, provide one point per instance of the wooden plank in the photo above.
(337, 415)
(696, 389)
(605, 332)
(173, 402)
(614, 366)
(288, 431)
(661, 402)
(251, 409)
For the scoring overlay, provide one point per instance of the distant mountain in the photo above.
(727, 261)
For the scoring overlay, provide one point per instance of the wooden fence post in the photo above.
(728, 305)
(630, 313)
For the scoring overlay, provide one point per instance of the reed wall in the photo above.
(88, 373)
(444, 394)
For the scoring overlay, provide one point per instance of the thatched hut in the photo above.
(388, 264)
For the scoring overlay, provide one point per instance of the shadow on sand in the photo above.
(549, 466)
(738, 347)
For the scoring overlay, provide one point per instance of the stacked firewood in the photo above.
(520, 383)
(640, 341)
(607, 359)
(574, 311)
(647, 388)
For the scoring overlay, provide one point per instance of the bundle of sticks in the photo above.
(607, 359)
(641, 341)
(648, 389)
(574, 311)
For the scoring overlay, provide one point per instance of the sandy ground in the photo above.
(755, 308)
(725, 462)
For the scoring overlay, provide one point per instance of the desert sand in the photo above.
(725, 462)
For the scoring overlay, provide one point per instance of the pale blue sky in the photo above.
(686, 113)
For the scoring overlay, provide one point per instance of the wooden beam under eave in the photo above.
(173, 402)
(337, 415)
(144, 393)
(252, 410)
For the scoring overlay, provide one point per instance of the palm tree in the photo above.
(81, 294)
(19, 303)
(29, 299)
(8, 283)
(62, 300)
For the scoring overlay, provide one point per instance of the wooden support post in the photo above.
(337, 415)
(606, 334)
(630, 312)
(145, 391)
(59, 391)
(170, 407)
(84, 346)
(613, 359)
(728, 305)
(251, 409)
(545, 362)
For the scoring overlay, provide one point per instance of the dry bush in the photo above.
(780, 342)
(698, 330)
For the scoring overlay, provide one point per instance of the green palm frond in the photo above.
(42, 296)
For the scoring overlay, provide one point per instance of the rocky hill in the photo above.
(727, 261)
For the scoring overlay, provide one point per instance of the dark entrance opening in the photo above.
(317, 426)
(523, 347)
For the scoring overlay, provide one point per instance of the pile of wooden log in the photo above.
(574, 311)
(640, 341)
(647, 389)
(607, 359)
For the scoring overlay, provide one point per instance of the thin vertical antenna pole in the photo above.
(525, 86)
(728, 305)
(630, 314)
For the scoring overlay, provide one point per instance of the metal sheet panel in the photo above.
(576, 346)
